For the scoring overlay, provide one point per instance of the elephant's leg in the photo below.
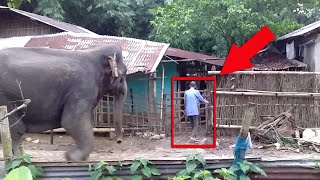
(17, 131)
(76, 120)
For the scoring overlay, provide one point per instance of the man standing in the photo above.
(191, 99)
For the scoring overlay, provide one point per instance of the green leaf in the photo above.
(208, 178)
(244, 177)
(190, 157)
(191, 166)
(234, 168)
(27, 159)
(200, 158)
(10, 5)
(230, 177)
(183, 172)
(16, 163)
(134, 166)
(99, 165)
(107, 178)
(95, 175)
(245, 168)
(146, 171)
(155, 171)
(17, 3)
(111, 169)
(35, 171)
(118, 178)
(197, 175)
(144, 162)
(136, 177)
(256, 169)
(21, 173)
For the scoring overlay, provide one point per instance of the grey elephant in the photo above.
(64, 88)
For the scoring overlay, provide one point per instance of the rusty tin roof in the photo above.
(49, 21)
(271, 61)
(139, 55)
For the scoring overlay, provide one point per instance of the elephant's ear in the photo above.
(113, 65)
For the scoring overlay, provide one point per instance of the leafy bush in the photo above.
(246, 167)
(101, 170)
(24, 161)
(145, 166)
(21, 173)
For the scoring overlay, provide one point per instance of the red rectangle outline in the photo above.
(214, 114)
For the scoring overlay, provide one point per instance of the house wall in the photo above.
(140, 87)
(14, 25)
(311, 55)
(316, 54)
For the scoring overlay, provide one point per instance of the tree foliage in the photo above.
(109, 17)
(198, 25)
(212, 26)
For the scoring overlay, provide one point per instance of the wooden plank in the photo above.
(5, 135)
(246, 121)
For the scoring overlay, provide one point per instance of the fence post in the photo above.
(5, 135)
(164, 116)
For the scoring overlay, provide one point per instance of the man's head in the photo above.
(193, 84)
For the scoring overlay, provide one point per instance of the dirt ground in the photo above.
(133, 146)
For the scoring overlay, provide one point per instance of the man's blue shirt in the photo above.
(192, 99)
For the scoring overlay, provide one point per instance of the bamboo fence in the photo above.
(272, 92)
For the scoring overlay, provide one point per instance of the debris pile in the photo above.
(150, 135)
(276, 130)
(282, 132)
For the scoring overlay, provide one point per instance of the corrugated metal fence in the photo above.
(285, 169)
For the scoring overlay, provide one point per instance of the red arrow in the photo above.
(239, 58)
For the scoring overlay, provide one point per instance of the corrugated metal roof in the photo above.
(271, 61)
(51, 22)
(180, 53)
(140, 55)
(14, 42)
(301, 31)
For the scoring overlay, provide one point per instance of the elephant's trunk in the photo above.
(118, 116)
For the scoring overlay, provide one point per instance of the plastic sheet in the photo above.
(240, 150)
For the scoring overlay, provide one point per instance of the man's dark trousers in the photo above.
(194, 125)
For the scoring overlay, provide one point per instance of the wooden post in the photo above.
(51, 136)
(108, 109)
(165, 117)
(246, 120)
(148, 103)
(155, 102)
(131, 96)
(162, 92)
(179, 106)
(5, 135)
(207, 106)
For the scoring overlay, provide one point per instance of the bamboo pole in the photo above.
(5, 135)
(268, 72)
(279, 94)
(148, 102)
(155, 102)
(162, 92)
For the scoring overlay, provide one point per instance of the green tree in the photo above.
(212, 26)
(107, 17)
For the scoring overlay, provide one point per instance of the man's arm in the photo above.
(201, 99)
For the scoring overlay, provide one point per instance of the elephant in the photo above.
(64, 88)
